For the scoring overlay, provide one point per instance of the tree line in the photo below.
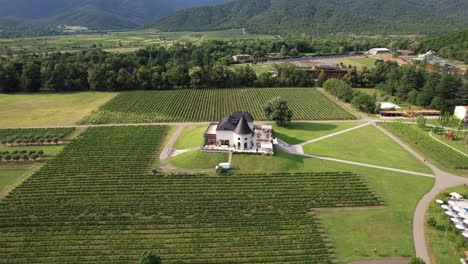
(209, 65)
(179, 66)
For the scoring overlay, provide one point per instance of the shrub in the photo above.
(416, 260)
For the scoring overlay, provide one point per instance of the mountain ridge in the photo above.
(321, 16)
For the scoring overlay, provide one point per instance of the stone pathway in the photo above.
(178, 152)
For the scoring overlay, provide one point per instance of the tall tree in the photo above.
(277, 110)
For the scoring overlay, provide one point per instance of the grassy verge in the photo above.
(64, 109)
(368, 145)
(444, 240)
(198, 160)
(192, 136)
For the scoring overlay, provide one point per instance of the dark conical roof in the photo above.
(231, 122)
(243, 127)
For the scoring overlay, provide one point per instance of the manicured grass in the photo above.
(211, 105)
(355, 234)
(192, 136)
(445, 247)
(367, 145)
(295, 133)
(29, 110)
(198, 160)
(9, 176)
(385, 229)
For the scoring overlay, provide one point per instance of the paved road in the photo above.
(168, 149)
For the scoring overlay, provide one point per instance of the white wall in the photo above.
(460, 112)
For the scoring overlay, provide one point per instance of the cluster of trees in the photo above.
(18, 155)
(410, 83)
(277, 110)
(32, 140)
(451, 46)
(341, 89)
(415, 85)
(179, 66)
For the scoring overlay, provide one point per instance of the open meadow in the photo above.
(211, 105)
(64, 109)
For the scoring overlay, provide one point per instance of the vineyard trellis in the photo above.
(424, 143)
(96, 202)
(212, 105)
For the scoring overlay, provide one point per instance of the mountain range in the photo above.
(256, 16)
(94, 14)
(324, 16)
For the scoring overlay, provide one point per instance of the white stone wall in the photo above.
(242, 141)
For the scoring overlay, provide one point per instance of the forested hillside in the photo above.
(323, 16)
(31, 16)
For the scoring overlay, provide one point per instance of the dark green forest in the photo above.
(208, 65)
(323, 17)
(450, 46)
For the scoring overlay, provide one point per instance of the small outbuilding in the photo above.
(376, 51)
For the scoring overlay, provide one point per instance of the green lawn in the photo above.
(444, 247)
(384, 229)
(12, 174)
(192, 136)
(198, 160)
(29, 110)
(367, 145)
(358, 62)
(296, 133)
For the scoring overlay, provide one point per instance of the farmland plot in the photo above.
(433, 150)
(211, 105)
(96, 203)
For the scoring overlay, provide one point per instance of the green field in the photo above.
(363, 230)
(199, 160)
(437, 153)
(192, 136)
(30, 110)
(211, 105)
(368, 145)
(111, 209)
(295, 133)
(358, 62)
(116, 41)
(445, 247)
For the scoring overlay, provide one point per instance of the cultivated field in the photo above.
(211, 105)
(29, 110)
(97, 203)
(436, 152)
(115, 41)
